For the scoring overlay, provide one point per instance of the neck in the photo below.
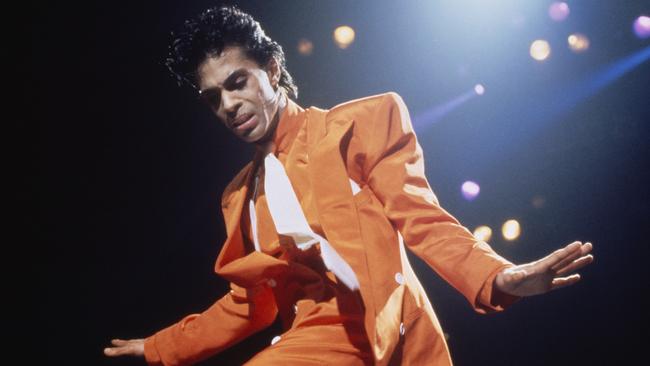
(267, 144)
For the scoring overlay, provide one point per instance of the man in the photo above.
(334, 268)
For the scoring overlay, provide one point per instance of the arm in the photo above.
(237, 315)
(394, 170)
(232, 318)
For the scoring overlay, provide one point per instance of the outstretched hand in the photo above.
(546, 274)
(130, 347)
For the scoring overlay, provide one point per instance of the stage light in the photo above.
(540, 50)
(558, 11)
(438, 112)
(470, 190)
(538, 202)
(479, 89)
(578, 42)
(483, 233)
(642, 26)
(305, 47)
(343, 36)
(511, 230)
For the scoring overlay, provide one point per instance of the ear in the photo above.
(273, 71)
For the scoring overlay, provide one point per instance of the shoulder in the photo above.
(367, 106)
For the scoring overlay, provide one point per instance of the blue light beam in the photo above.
(436, 113)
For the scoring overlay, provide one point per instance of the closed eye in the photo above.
(240, 83)
(235, 81)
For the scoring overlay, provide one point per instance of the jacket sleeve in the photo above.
(238, 314)
(394, 170)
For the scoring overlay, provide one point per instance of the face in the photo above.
(241, 93)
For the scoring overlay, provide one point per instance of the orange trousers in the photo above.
(324, 322)
(327, 344)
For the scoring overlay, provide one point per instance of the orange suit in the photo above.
(371, 142)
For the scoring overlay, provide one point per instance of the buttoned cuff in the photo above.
(151, 355)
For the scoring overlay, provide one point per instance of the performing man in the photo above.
(319, 222)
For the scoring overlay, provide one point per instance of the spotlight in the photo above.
(538, 202)
(511, 230)
(578, 42)
(343, 36)
(558, 11)
(642, 26)
(305, 47)
(479, 89)
(540, 50)
(470, 190)
(483, 233)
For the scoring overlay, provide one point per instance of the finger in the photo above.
(568, 259)
(576, 265)
(584, 249)
(128, 350)
(114, 351)
(564, 281)
(118, 342)
(558, 255)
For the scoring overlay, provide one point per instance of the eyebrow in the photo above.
(229, 80)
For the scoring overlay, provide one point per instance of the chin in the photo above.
(254, 137)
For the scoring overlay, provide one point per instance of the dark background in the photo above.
(131, 168)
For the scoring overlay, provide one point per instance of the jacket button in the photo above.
(271, 283)
(399, 278)
(295, 309)
(275, 340)
(402, 330)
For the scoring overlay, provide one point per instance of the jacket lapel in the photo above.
(331, 184)
(233, 247)
(334, 199)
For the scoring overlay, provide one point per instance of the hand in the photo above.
(131, 347)
(545, 274)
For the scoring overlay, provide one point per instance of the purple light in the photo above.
(470, 190)
(558, 11)
(479, 89)
(642, 26)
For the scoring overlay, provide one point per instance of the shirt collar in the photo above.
(291, 119)
(290, 122)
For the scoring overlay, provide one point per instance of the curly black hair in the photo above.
(214, 29)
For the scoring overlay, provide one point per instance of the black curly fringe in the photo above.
(209, 33)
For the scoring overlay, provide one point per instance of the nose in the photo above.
(230, 103)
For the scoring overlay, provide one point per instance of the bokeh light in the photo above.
(642, 26)
(483, 233)
(540, 50)
(538, 202)
(343, 36)
(558, 11)
(578, 42)
(305, 47)
(511, 230)
(479, 89)
(470, 190)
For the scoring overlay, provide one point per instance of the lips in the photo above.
(248, 125)
(241, 119)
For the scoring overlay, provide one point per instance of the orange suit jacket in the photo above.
(371, 141)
